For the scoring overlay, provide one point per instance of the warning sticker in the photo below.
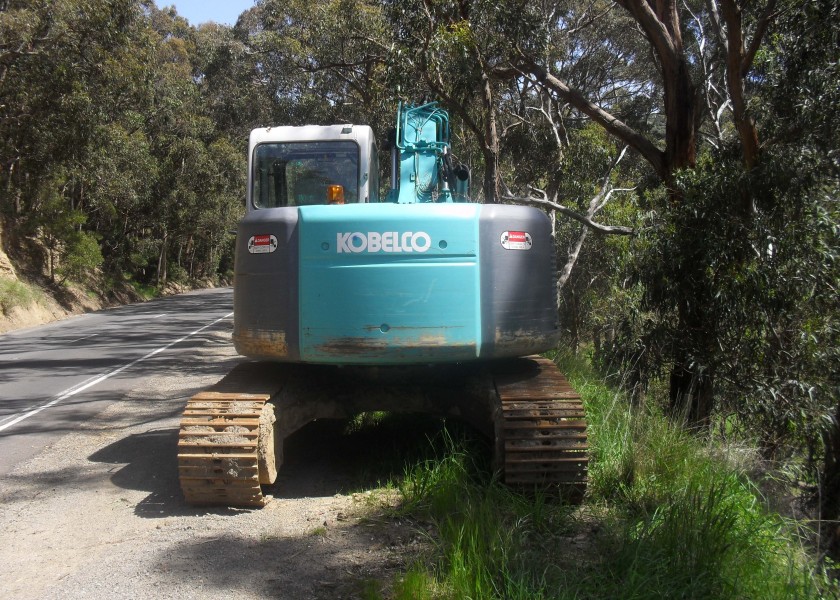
(262, 244)
(517, 240)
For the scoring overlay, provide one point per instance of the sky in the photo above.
(200, 11)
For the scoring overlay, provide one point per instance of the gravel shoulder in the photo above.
(99, 513)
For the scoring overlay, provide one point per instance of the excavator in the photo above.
(345, 302)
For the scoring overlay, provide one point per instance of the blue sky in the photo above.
(201, 11)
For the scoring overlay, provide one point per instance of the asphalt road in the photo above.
(55, 376)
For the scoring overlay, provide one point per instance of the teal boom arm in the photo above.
(423, 143)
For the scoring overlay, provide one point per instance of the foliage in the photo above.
(101, 114)
(665, 517)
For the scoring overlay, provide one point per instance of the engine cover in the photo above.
(394, 284)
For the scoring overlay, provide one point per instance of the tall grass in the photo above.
(482, 530)
(15, 293)
(664, 517)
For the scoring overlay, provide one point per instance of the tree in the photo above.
(107, 134)
(664, 32)
(65, 72)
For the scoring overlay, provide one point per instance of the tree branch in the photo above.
(613, 125)
(566, 272)
(747, 131)
(654, 28)
(546, 203)
(758, 36)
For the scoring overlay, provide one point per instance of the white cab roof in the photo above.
(362, 134)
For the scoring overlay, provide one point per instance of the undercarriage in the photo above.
(231, 438)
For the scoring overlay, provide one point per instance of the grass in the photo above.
(665, 517)
(15, 293)
(379, 445)
(146, 291)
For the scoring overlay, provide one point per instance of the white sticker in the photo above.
(516, 240)
(262, 244)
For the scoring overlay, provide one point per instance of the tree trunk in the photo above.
(574, 325)
(830, 499)
(691, 395)
(51, 262)
(161, 266)
(691, 389)
(680, 109)
(737, 66)
(491, 143)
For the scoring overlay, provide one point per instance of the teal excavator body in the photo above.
(327, 272)
(397, 304)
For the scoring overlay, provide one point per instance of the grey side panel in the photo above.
(518, 295)
(265, 286)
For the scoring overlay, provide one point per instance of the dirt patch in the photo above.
(100, 513)
(7, 269)
(30, 316)
(41, 305)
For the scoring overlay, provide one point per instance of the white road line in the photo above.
(89, 383)
(84, 337)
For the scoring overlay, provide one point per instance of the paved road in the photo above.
(55, 376)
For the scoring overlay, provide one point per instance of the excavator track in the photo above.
(230, 442)
(542, 430)
(218, 449)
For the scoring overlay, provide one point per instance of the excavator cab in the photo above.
(309, 166)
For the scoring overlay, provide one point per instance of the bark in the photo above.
(737, 66)
(661, 25)
(491, 142)
(680, 117)
(161, 266)
(691, 395)
(830, 499)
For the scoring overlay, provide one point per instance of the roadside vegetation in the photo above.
(17, 294)
(666, 515)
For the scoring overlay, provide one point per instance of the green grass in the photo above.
(665, 517)
(17, 293)
(146, 291)
(319, 531)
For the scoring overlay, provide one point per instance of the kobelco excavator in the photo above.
(346, 302)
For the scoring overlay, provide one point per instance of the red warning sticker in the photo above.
(262, 244)
(516, 240)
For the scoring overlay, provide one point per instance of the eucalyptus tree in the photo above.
(677, 39)
(200, 175)
(66, 74)
(325, 61)
(798, 183)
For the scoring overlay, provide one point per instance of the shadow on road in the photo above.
(324, 458)
(333, 563)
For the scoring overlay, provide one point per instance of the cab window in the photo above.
(305, 173)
